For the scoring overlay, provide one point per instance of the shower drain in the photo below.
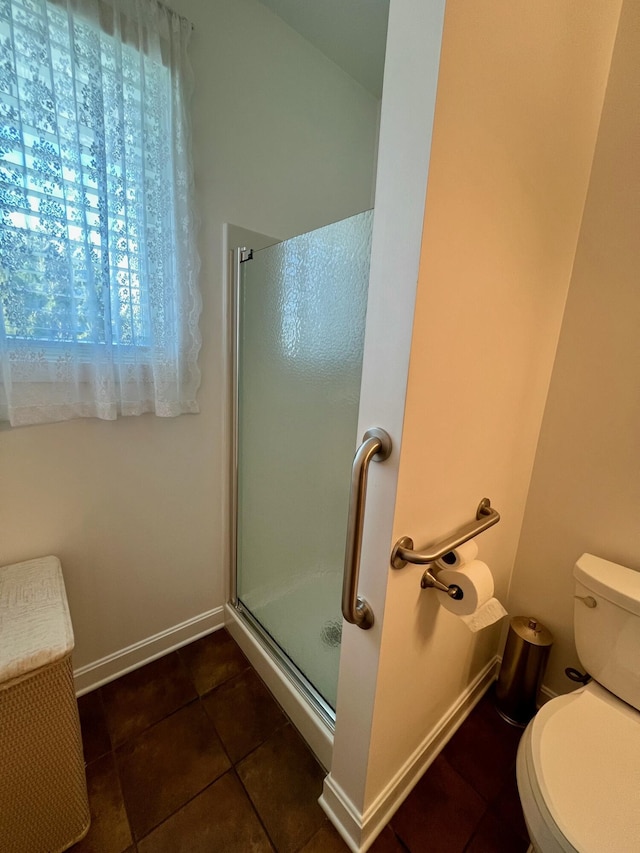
(332, 633)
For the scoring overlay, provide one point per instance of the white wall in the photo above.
(284, 142)
(585, 488)
(520, 93)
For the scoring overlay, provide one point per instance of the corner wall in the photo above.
(585, 488)
(284, 141)
(520, 93)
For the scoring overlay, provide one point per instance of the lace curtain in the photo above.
(99, 303)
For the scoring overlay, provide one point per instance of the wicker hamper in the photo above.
(43, 791)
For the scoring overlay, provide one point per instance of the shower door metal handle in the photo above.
(376, 445)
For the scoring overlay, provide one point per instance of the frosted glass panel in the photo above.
(302, 318)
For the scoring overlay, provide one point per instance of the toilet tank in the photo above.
(607, 625)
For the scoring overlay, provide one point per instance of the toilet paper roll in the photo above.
(486, 615)
(475, 582)
(466, 553)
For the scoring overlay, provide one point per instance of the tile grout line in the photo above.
(232, 765)
(491, 813)
(255, 810)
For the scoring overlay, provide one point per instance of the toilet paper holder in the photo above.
(403, 552)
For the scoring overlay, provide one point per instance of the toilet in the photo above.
(578, 764)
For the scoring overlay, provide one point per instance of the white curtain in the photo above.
(99, 301)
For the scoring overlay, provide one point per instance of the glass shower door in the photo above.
(302, 306)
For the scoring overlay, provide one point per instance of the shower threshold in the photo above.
(306, 708)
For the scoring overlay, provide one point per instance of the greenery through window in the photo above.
(97, 249)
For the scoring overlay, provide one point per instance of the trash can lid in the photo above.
(35, 626)
(531, 630)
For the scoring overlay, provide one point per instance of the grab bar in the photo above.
(376, 445)
(403, 552)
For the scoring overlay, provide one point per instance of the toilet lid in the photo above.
(586, 754)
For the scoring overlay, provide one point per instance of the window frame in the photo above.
(53, 348)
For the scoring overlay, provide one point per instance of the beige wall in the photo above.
(585, 489)
(283, 142)
(519, 99)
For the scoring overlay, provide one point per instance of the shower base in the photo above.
(311, 634)
(303, 617)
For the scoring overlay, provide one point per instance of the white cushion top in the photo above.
(35, 626)
(586, 754)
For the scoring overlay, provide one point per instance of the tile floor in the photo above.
(191, 754)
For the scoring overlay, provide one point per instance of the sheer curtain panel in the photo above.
(99, 300)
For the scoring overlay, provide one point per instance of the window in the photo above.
(98, 266)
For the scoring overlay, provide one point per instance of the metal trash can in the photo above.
(523, 664)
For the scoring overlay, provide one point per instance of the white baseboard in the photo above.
(125, 660)
(359, 831)
(546, 694)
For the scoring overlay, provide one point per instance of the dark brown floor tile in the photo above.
(244, 713)
(95, 736)
(219, 820)
(441, 813)
(387, 842)
(167, 765)
(507, 807)
(139, 699)
(487, 706)
(484, 748)
(109, 831)
(284, 781)
(494, 836)
(213, 659)
(171, 764)
(326, 840)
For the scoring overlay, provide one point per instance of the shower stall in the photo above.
(299, 318)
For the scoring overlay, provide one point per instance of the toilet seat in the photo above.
(579, 774)
(544, 834)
